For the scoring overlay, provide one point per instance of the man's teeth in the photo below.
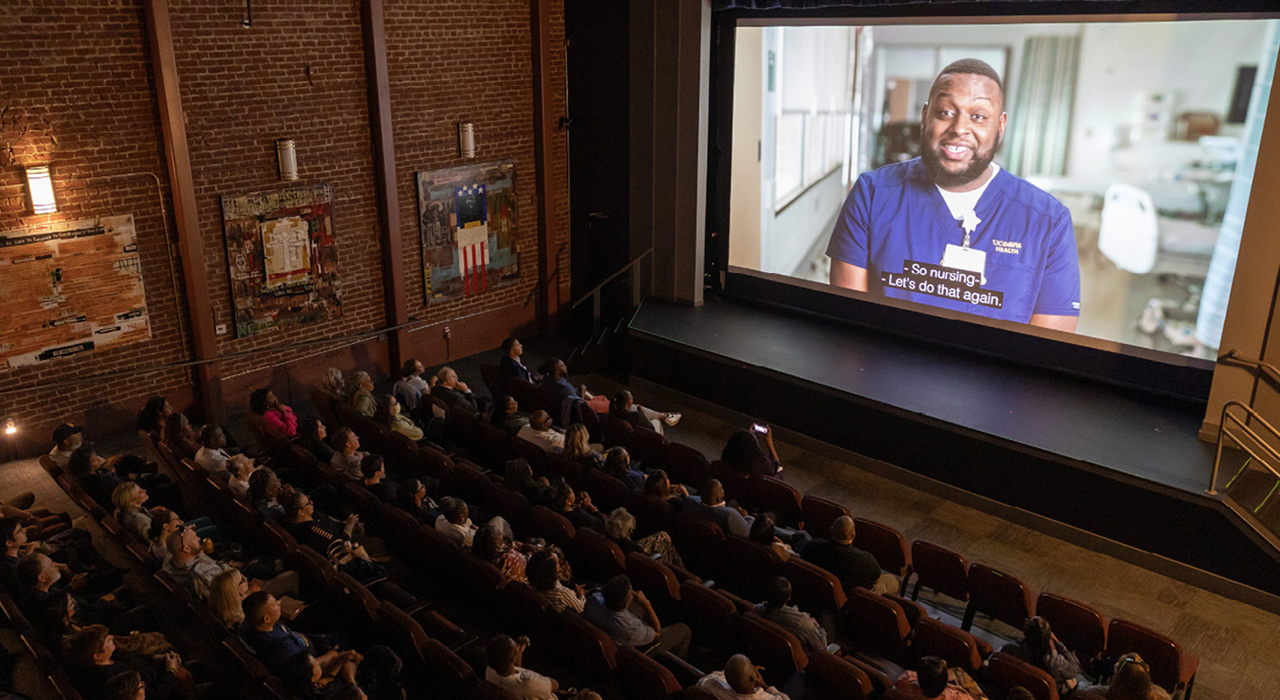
(957, 149)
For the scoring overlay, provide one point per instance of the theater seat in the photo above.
(769, 493)
(998, 595)
(607, 492)
(651, 513)
(561, 467)
(951, 644)
(488, 691)
(597, 558)
(685, 465)
(700, 541)
(552, 527)
(772, 647)
(616, 431)
(813, 589)
(886, 544)
(587, 646)
(529, 612)
(646, 446)
(941, 569)
(819, 514)
(879, 628)
(1077, 625)
(513, 506)
(657, 582)
(1172, 667)
(1004, 673)
(753, 566)
(736, 486)
(642, 678)
(711, 616)
(450, 676)
(829, 677)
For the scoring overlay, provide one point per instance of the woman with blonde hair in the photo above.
(619, 526)
(226, 595)
(577, 446)
(128, 499)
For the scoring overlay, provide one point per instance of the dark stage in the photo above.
(1113, 461)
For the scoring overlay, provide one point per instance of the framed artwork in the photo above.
(467, 224)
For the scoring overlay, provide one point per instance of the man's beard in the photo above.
(948, 179)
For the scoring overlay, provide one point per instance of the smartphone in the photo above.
(758, 428)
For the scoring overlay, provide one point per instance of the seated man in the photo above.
(932, 679)
(609, 609)
(66, 438)
(624, 408)
(740, 680)
(854, 567)
(542, 433)
(375, 479)
(510, 364)
(455, 521)
(38, 579)
(734, 521)
(212, 454)
(409, 387)
(93, 661)
(455, 392)
(347, 454)
(555, 388)
(791, 618)
(503, 656)
(191, 567)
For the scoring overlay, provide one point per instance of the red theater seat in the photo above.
(772, 647)
(1077, 625)
(941, 569)
(951, 644)
(886, 544)
(1172, 667)
(829, 677)
(1004, 673)
(642, 678)
(819, 513)
(998, 595)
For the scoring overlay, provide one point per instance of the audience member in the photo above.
(277, 415)
(190, 566)
(503, 657)
(347, 455)
(413, 499)
(360, 391)
(409, 387)
(375, 479)
(66, 439)
(556, 390)
(657, 484)
(932, 679)
(510, 364)
(542, 433)
(743, 454)
(506, 415)
(455, 521)
(212, 454)
(1041, 648)
(93, 660)
(577, 509)
(99, 477)
(455, 392)
(312, 437)
(544, 577)
(226, 597)
(734, 521)
(624, 408)
(164, 522)
(129, 498)
(126, 685)
(577, 446)
(179, 436)
(334, 384)
(389, 414)
(241, 469)
(489, 545)
(617, 463)
(764, 530)
(152, 416)
(1131, 681)
(610, 610)
(340, 541)
(265, 491)
(619, 526)
(518, 476)
(789, 617)
(1019, 693)
(740, 680)
(854, 567)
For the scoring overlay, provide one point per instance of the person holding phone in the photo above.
(743, 453)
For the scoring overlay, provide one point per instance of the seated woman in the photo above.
(152, 416)
(619, 526)
(544, 577)
(743, 454)
(128, 498)
(519, 477)
(1131, 681)
(764, 531)
(179, 436)
(657, 484)
(506, 415)
(388, 414)
(413, 499)
(577, 508)
(360, 393)
(61, 617)
(489, 545)
(312, 435)
(577, 446)
(266, 491)
(617, 463)
(341, 541)
(624, 408)
(1040, 648)
(226, 597)
(277, 415)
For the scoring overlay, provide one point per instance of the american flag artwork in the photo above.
(472, 236)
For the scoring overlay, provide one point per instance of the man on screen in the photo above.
(954, 230)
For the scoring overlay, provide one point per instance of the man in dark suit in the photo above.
(854, 567)
(455, 391)
(510, 364)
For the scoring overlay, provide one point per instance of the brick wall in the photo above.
(75, 89)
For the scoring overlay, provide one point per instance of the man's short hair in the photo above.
(970, 66)
(124, 685)
(452, 508)
(779, 593)
(931, 674)
(81, 646)
(500, 652)
(616, 592)
(507, 344)
(208, 432)
(1019, 693)
(561, 494)
(712, 491)
(410, 368)
(9, 527)
(339, 438)
(254, 604)
(29, 569)
(370, 465)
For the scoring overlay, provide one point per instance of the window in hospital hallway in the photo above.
(1108, 200)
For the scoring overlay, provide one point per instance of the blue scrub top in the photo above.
(896, 214)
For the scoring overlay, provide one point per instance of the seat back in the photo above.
(587, 645)
(813, 589)
(819, 514)
(651, 513)
(488, 691)
(884, 543)
(1077, 625)
(524, 393)
(606, 491)
(470, 484)
(1005, 672)
(404, 633)
(523, 449)
(323, 402)
(711, 616)
(493, 380)
(559, 466)
(754, 566)
(552, 527)
(528, 611)
(829, 677)
(941, 569)
(440, 547)
(685, 465)
(450, 676)
(772, 647)
(616, 430)
(597, 558)
(657, 582)
(700, 541)
(777, 496)
(951, 644)
(999, 595)
(513, 506)
(481, 577)
(1169, 665)
(646, 446)
(878, 626)
(642, 678)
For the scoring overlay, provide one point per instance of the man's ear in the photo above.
(924, 114)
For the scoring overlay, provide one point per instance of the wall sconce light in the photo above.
(467, 139)
(10, 427)
(287, 158)
(40, 187)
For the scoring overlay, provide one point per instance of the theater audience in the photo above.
(932, 679)
(619, 526)
(503, 656)
(61, 617)
(360, 391)
(1041, 648)
(1131, 681)
(489, 545)
(347, 455)
(518, 477)
(543, 570)
(624, 408)
(789, 617)
(743, 454)
(389, 414)
(764, 530)
(577, 446)
(277, 415)
(510, 364)
(38, 578)
(66, 439)
(93, 660)
(854, 567)
(212, 454)
(659, 486)
(734, 521)
(455, 522)
(375, 479)
(610, 609)
(740, 680)
(617, 463)
(506, 415)
(152, 416)
(576, 507)
(99, 478)
(312, 435)
(179, 436)
(542, 433)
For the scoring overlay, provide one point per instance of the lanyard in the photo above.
(969, 222)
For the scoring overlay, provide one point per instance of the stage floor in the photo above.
(1133, 436)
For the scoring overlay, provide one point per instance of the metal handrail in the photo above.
(1227, 416)
(1233, 357)
(596, 289)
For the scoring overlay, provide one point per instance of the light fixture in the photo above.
(467, 139)
(40, 187)
(10, 427)
(287, 157)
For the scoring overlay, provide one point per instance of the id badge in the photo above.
(967, 259)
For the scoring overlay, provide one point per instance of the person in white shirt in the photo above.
(241, 468)
(66, 438)
(540, 432)
(504, 656)
(455, 521)
(212, 454)
(740, 680)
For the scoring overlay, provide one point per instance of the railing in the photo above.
(1230, 420)
(1268, 370)
(594, 294)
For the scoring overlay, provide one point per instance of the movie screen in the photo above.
(1090, 178)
